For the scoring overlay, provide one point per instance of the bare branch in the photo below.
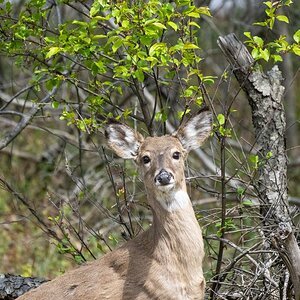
(26, 119)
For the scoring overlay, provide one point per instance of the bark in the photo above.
(265, 96)
(12, 286)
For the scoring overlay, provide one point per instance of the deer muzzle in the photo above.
(164, 178)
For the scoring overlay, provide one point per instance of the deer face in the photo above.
(161, 159)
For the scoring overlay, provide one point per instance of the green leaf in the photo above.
(83, 24)
(183, 2)
(269, 155)
(157, 48)
(283, 18)
(52, 51)
(94, 9)
(152, 60)
(199, 100)
(265, 54)
(194, 14)
(116, 45)
(99, 36)
(240, 191)
(255, 53)
(254, 159)
(182, 113)
(209, 79)
(78, 259)
(173, 25)
(296, 49)
(260, 23)
(296, 36)
(276, 58)
(125, 24)
(55, 104)
(259, 41)
(288, 2)
(101, 18)
(221, 119)
(204, 10)
(188, 46)
(248, 35)
(139, 74)
(161, 116)
(271, 22)
(193, 24)
(159, 25)
(50, 40)
(270, 12)
(268, 3)
(190, 91)
(146, 40)
(247, 202)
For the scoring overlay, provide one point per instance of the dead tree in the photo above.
(265, 96)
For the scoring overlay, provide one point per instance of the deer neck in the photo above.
(175, 230)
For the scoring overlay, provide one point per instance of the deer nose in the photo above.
(163, 177)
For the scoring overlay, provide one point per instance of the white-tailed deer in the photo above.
(164, 262)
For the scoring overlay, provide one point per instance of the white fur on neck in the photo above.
(174, 200)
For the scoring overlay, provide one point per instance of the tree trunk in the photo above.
(11, 286)
(265, 96)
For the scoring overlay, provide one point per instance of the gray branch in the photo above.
(25, 121)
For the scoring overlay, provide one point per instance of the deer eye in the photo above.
(146, 159)
(176, 155)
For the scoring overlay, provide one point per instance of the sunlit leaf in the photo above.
(116, 45)
(159, 25)
(194, 24)
(259, 41)
(296, 49)
(283, 18)
(265, 54)
(158, 47)
(221, 119)
(189, 46)
(296, 36)
(173, 25)
(276, 58)
(52, 51)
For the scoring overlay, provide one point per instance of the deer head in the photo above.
(161, 159)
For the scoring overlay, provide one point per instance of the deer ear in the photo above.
(123, 140)
(193, 133)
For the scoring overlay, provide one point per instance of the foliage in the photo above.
(276, 48)
(118, 45)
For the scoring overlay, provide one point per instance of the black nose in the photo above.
(163, 177)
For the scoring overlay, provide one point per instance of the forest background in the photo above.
(68, 66)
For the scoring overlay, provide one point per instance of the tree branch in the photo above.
(25, 120)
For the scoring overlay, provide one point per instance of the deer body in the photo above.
(164, 262)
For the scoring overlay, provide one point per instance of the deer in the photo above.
(164, 261)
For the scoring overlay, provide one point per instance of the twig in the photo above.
(26, 119)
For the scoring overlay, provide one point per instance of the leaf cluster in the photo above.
(118, 44)
(276, 48)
